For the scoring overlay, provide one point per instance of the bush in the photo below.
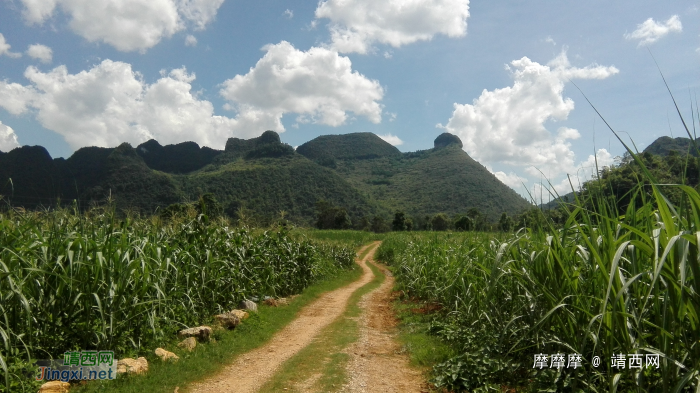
(440, 222)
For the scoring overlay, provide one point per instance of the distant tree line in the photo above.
(329, 216)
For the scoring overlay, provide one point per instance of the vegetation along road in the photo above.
(374, 363)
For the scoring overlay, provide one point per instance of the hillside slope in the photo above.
(327, 149)
(263, 177)
(440, 180)
(663, 145)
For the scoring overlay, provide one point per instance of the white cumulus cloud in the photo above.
(356, 25)
(190, 40)
(651, 31)
(391, 139)
(319, 85)
(127, 25)
(110, 104)
(510, 179)
(8, 138)
(5, 48)
(289, 14)
(40, 52)
(16, 98)
(37, 11)
(548, 189)
(200, 12)
(507, 125)
(587, 169)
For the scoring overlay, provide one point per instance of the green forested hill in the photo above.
(263, 177)
(440, 180)
(327, 149)
(268, 186)
(181, 158)
(30, 175)
(665, 144)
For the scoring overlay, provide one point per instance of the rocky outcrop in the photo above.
(132, 366)
(201, 333)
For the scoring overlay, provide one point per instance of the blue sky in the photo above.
(77, 73)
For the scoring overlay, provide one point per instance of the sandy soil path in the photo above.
(251, 370)
(377, 363)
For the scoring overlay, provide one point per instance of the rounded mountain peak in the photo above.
(445, 139)
(269, 137)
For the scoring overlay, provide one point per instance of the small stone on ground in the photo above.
(135, 366)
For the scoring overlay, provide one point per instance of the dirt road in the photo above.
(376, 363)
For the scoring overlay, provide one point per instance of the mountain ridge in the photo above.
(665, 144)
(360, 173)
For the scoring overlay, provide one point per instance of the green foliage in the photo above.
(98, 280)
(326, 161)
(266, 186)
(620, 183)
(462, 223)
(20, 375)
(177, 210)
(29, 177)
(600, 285)
(444, 180)
(270, 150)
(331, 217)
(379, 225)
(505, 223)
(472, 221)
(263, 176)
(338, 237)
(401, 222)
(440, 222)
(665, 145)
(533, 218)
(239, 147)
(361, 145)
(206, 205)
(206, 360)
(427, 224)
(446, 139)
(180, 158)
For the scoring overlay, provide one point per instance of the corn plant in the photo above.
(71, 281)
(603, 285)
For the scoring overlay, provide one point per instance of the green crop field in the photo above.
(74, 281)
(604, 284)
(614, 283)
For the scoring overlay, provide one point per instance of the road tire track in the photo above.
(251, 370)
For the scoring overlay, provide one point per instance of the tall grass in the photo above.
(336, 236)
(607, 283)
(604, 284)
(72, 281)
